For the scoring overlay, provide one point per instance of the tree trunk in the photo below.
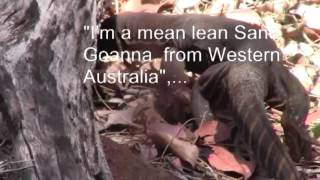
(46, 114)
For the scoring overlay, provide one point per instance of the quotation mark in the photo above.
(162, 71)
(93, 30)
(86, 28)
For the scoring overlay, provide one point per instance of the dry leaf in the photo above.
(224, 160)
(175, 130)
(213, 132)
(222, 6)
(313, 117)
(164, 134)
(181, 5)
(309, 13)
(293, 48)
(313, 34)
(245, 15)
(301, 74)
(123, 117)
(278, 7)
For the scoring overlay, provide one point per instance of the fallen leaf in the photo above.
(274, 28)
(213, 132)
(181, 5)
(222, 6)
(313, 117)
(301, 74)
(123, 117)
(224, 160)
(245, 15)
(292, 31)
(309, 13)
(183, 149)
(175, 130)
(278, 7)
(168, 135)
(118, 101)
(313, 34)
(315, 59)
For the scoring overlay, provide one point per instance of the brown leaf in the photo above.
(123, 117)
(224, 160)
(313, 34)
(309, 13)
(175, 130)
(169, 135)
(213, 132)
(313, 117)
(292, 31)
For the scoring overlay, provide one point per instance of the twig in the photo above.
(216, 173)
(305, 36)
(176, 135)
(6, 167)
(104, 103)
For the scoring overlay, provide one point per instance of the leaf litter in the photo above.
(129, 114)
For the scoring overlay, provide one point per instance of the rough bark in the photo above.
(45, 110)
